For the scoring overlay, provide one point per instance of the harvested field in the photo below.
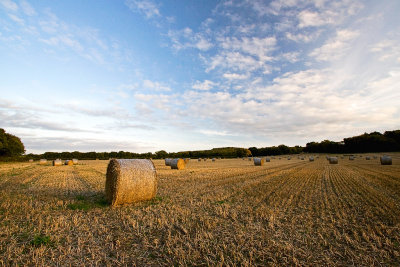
(226, 212)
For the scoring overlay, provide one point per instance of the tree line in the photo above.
(12, 148)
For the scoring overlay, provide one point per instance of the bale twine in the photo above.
(69, 162)
(75, 161)
(130, 180)
(367, 158)
(311, 158)
(168, 162)
(31, 160)
(177, 164)
(333, 160)
(267, 159)
(386, 160)
(57, 162)
(258, 161)
(42, 161)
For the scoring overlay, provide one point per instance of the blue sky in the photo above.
(146, 75)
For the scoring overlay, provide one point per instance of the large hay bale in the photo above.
(69, 162)
(311, 158)
(333, 160)
(177, 164)
(57, 162)
(75, 161)
(168, 161)
(43, 161)
(386, 160)
(130, 180)
(258, 161)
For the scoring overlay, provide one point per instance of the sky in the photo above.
(147, 75)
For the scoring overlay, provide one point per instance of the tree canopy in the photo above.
(10, 145)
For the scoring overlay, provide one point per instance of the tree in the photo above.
(10, 145)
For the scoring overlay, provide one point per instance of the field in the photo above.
(228, 212)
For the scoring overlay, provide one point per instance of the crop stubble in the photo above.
(228, 211)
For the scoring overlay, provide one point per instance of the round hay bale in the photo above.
(258, 161)
(205, 159)
(130, 180)
(302, 158)
(288, 158)
(199, 159)
(57, 162)
(333, 160)
(213, 159)
(386, 160)
(367, 158)
(75, 161)
(168, 161)
(69, 162)
(177, 164)
(375, 157)
(249, 158)
(267, 159)
(42, 161)
(351, 158)
(31, 160)
(311, 158)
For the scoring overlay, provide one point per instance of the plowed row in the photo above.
(226, 212)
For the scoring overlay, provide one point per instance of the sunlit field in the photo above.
(227, 212)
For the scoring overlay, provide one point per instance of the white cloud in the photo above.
(205, 85)
(308, 18)
(336, 47)
(16, 19)
(155, 86)
(235, 76)
(10, 5)
(149, 8)
(27, 8)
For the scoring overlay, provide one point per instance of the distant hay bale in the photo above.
(386, 160)
(75, 161)
(311, 158)
(177, 164)
(213, 159)
(243, 158)
(130, 180)
(69, 162)
(367, 158)
(375, 157)
(258, 161)
(30, 160)
(42, 161)
(168, 161)
(249, 158)
(351, 157)
(333, 160)
(267, 159)
(199, 159)
(302, 158)
(205, 159)
(289, 158)
(279, 158)
(57, 162)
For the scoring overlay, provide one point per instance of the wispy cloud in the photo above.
(147, 7)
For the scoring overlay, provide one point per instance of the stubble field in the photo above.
(228, 212)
